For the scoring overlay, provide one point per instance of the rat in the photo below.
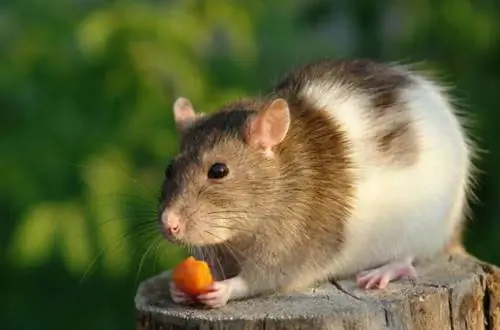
(345, 167)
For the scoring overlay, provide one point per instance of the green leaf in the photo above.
(34, 237)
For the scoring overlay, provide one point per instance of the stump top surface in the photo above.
(446, 288)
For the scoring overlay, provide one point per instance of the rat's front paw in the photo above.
(219, 294)
(178, 296)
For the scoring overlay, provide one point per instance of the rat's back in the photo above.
(409, 152)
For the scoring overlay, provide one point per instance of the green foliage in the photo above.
(86, 90)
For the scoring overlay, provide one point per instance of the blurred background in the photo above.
(86, 91)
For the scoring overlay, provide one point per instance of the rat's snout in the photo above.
(171, 223)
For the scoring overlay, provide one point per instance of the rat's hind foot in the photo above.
(381, 276)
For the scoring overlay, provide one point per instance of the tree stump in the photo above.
(451, 293)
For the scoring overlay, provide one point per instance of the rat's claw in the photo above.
(178, 296)
(218, 296)
(381, 276)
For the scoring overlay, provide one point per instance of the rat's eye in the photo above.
(168, 171)
(218, 171)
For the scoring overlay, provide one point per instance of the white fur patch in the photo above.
(399, 211)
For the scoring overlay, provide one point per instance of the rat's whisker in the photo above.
(155, 242)
(139, 218)
(233, 228)
(236, 253)
(147, 226)
(156, 254)
(202, 190)
(238, 219)
(143, 201)
(142, 217)
(103, 250)
(239, 224)
(123, 171)
(213, 256)
(102, 223)
(236, 211)
(192, 213)
(127, 208)
(217, 259)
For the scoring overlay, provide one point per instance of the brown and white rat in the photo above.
(346, 167)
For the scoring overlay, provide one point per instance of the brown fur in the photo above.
(398, 143)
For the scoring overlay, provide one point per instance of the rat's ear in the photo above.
(270, 126)
(184, 114)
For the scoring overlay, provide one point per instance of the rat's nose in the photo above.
(171, 223)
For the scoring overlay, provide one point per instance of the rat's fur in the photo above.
(375, 167)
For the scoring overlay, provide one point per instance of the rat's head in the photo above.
(222, 182)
